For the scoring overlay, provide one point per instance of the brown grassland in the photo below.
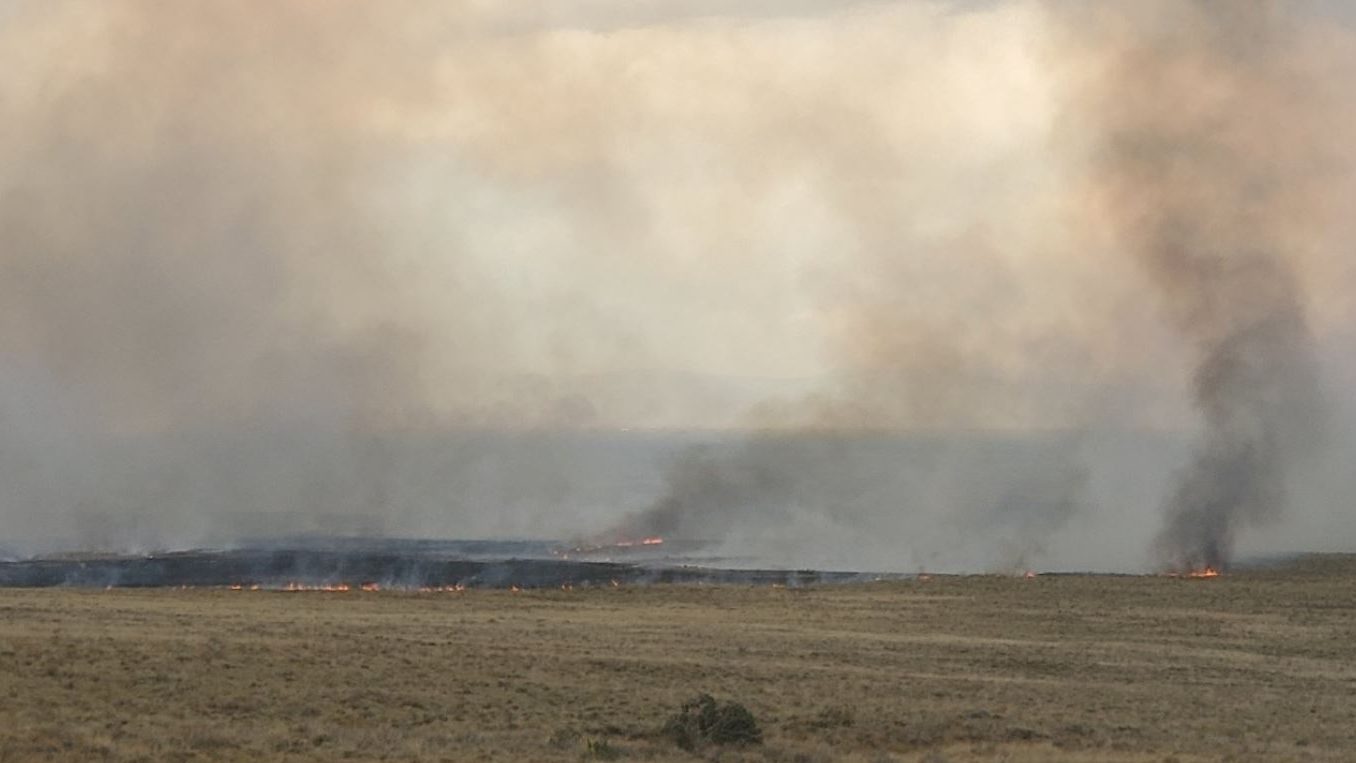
(1257, 665)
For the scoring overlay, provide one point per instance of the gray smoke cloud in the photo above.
(1207, 137)
(859, 499)
(1208, 143)
(464, 269)
(206, 317)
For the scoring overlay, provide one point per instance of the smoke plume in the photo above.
(1203, 167)
(1207, 139)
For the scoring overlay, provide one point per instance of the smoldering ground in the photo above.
(413, 269)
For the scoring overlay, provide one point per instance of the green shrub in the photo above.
(702, 721)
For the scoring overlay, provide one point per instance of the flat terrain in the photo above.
(1253, 666)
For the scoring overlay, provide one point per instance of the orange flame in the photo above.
(651, 540)
(1198, 573)
(331, 588)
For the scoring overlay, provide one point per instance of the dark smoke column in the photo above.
(1199, 171)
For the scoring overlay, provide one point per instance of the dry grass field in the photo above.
(1253, 666)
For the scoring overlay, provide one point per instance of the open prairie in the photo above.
(1259, 665)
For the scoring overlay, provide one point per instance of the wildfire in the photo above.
(624, 543)
(367, 587)
(653, 540)
(1196, 574)
(295, 587)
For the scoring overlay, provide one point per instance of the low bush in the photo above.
(702, 721)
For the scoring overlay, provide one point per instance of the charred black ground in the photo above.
(394, 564)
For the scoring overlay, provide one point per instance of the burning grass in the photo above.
(1251, 666)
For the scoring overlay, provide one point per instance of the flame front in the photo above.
(295, 587)
(653, 540)
(616, 545)
(1195, 574)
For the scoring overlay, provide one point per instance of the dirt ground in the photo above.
(1251, 666)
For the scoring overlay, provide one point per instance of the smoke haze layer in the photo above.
(867, 284)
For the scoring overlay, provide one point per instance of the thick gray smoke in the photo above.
(1203, 159)
(1206, 132)
(445, 268)
(859, 498)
